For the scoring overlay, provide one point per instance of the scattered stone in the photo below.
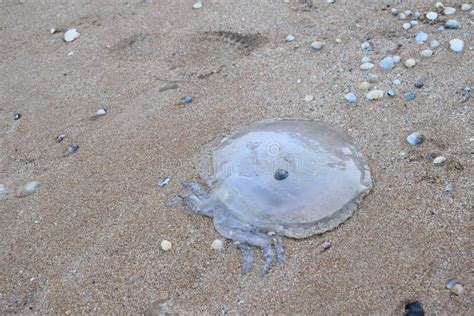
(449, 188)
(396, 59)
(417, 14)
(466, 7)
(364, 86)
(60, 138)
(338, 40)
(3, 192)
(414, 309)
(164, 181)
(406, 26)
(419, 83)
(373, 78)
(457, 289)
(440, 28)
(101, 112)
(421, 37)
(52, 30)
(449, 11)
(397, 82)
(366, 66)
(439, 5)
(391, 92)
(326, 245)
(410, 63)
(402, 16)
(166, 245)
(431, 16)
(197, 5)
(456, 45)
(408, 13)
(466, 93)
(72, 148)
(366, 46)
(30, 188)
(394, 11)
(290, 38)
(415, 139)
(316, 46)
(309, 98)
(434, 44)
(217, 244)
(366, 59)
(187, 99)
(452, 24)
(409, 96)
(387, 63)
(16, 116)
(451, 283)
(330, 1)
(439, 160)
(71, 35)
(350, 97)
(426, 53)
(413, 22)
(375, 95)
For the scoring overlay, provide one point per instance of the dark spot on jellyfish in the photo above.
(329, 178)
(414, 309)
(281, 174)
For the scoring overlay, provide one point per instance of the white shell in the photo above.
(71, 35)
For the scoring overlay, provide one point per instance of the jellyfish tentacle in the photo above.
(279, 249)
(199, 201)
(247, 257)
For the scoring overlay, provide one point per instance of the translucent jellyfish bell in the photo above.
(294, 178)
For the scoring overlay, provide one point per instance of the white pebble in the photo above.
(316, 45)
(3, 192)
(410, 63)
(366, 59)
(466, 7)
(309, 98)
(406, 26)
(397, 82)
(366, 66)
(449, 11)
(426, 53)
(30, 187)
(197, 5)
(375, 95)
(101, 112)
(290, 38)
(414, 22)
(52, 30)
(326, 245)
(456, 45)
(439, 5)
(439, 160)
(434, 44)
(396, 59)
(166, 245)
(71, 35)
(217, 244)
(431, 16)
(364, 86)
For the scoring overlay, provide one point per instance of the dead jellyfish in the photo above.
(274, 178)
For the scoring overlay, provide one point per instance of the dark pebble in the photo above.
(419, 84)
(409, 96)
(16, 116)
(281, 174)
(72, 148)
(391, 92)
(414, 309)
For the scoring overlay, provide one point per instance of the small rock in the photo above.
(187, 99)
(373, 78)
(426, 53)
(414, 309)
(366, 59)
(30, 188)
(71, 35)
(290, 38)
(410, 63)
(163, 182)
(375, 95)
(316, 46)
(417, 14)
(366, 66)
(409, 96)
(101, 112)
(449, 11)
(217, 244)
(350, 97)
(387, 63)
(402, 16)
(309, 98)
(457, 289)
(431, 16)
(449, 188)
(60, 138)
(166, 245)
(413, 22)
(439, 5)
(364, 86)
(197, 5)
(452, 24)
(434, 44)
(406, 26)
(456, 45)
(396, 59)
(440, 28)
(72, 148)
(281, 174)
(466, 93)
(451, 283)
(421, 37)
(415, 139)
(330, 1)
(3, 192)
(408, 13)
(466, 7)
(366, 46)
(439, 160)
(397, 82)
(326, 245)
(338, 40)
(52, 30)
(419, 83)
(394, 11)
(16, 116)
(391, 92)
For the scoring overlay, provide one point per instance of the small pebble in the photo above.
(197, 5)
(415, 139)
(3, 192)
(101, 112)
(373, 78)
(456, 45)
(397, 82)
(421, 37)
(402, 16)
(217, 244)
(440, 28)
(409, 96)
(457, 289)
(364, 86)
(164, 181)
(326, 245)
(410, 63)
(452, 24)
(166, 245)
(16, 116)
(366, 59)
(330, 1)
(449, 11)
(366, 66)
(187, 99)
(408, 12)
(60, 138)
(414, 309)
(417, 14)
(391, 92)
(52, 30)
(71, 35)
(431, 16)
(394, 11)
(413, 22)
(30, 188)
(439, 160)
(396, 59)
(309, 98)
(426, 53)
(72, 148)
(366, 46)
(449, 188)
(350, 97)
(451, 283)
(387, 63)
(406, 26)
(419, 83)
(439, 5)
(466, 7)
(316, 46)
(466, 93)
(375, 95)
(290, 38)
(434, 44)
(338, 40)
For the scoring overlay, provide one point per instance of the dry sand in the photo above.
(88, 241)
